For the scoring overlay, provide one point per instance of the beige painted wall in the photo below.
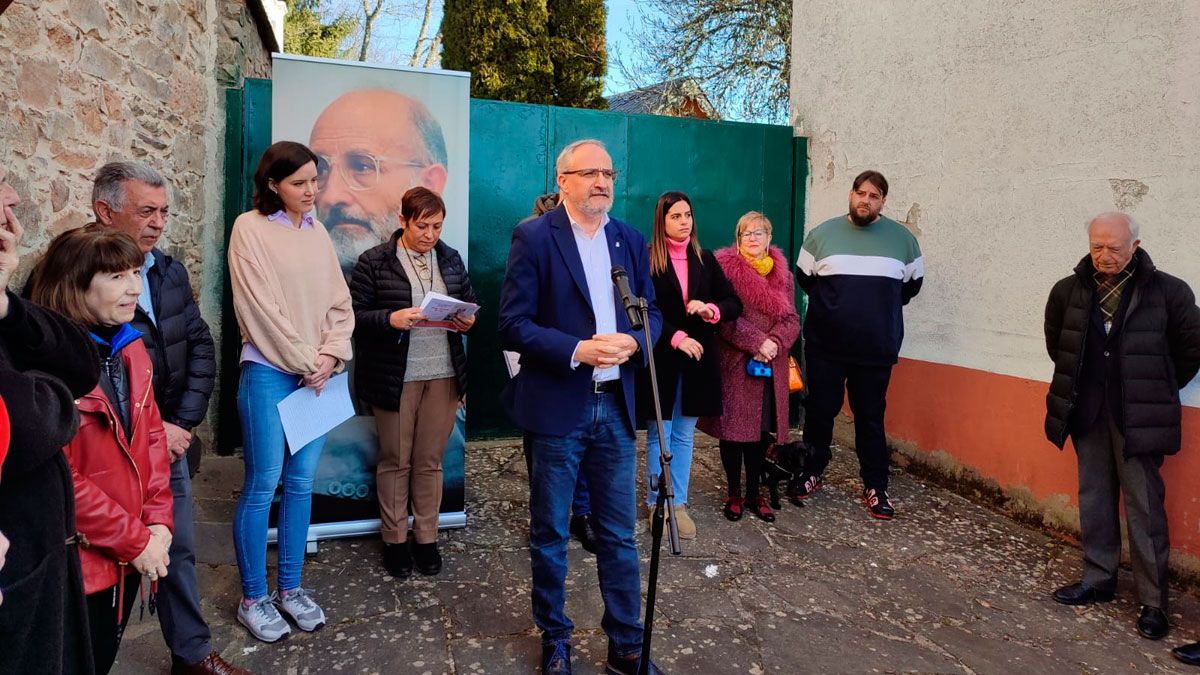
(89, 81)
(1002, 127)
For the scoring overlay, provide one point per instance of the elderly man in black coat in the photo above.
(46, 362)
(1124, 338)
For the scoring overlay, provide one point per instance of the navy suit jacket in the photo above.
(545, 310)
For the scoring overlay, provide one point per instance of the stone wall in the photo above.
(240, 52)
(89, 81)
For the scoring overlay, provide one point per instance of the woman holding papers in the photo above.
(294, 313)
(694, 296)
(413, 374)
(119, 459)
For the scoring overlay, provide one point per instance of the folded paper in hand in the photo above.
(439, 310)
(306, 416)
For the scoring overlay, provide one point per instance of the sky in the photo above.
(621, 15)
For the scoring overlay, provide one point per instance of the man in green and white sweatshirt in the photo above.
(859, 270)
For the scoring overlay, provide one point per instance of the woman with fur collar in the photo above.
(755, 410)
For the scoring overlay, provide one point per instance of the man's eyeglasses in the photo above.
(753, 234)
(360, 170)
(591, 174)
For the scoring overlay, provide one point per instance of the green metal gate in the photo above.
(727, 168)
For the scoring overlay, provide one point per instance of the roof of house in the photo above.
(659, 98)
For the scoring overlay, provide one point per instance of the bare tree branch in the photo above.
(369, 16)
(738, 51)
(432, 58)
(416, 55)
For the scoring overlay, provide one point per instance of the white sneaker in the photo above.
(298, 604)
(263, 620)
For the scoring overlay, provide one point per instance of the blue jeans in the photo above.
(602, 448)
(267, 459)
(581, 503)
(179, 616)
(681, 434)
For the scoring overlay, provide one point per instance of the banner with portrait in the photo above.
(378, 131)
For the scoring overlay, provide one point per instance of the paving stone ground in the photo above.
(947, 587)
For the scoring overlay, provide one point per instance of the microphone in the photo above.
(628, 299)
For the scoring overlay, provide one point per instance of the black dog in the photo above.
(784, 462)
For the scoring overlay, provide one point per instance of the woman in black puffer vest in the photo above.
(413, 376)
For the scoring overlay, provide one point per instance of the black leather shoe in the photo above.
(556, 658)
(1153, 624)
(1081, 594)
(581, 529)
(1189, 654)
(429, 561)
(397, 560)
(628, 666)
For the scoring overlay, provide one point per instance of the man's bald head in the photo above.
(1112, 241)
(375, 144)
(385, 115)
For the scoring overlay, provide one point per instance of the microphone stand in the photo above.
(665, 506)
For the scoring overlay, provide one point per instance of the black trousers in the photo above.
(106, 631)
(829, 382)
(1105, 473)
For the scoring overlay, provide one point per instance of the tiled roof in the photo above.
(661, 98)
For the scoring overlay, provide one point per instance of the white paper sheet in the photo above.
(306, 416)
(512, 361)
(440, 307)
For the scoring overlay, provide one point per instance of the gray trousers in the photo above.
(183, 626)
(1104, 474)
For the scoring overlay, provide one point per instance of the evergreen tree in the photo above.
(305, 32)
(505, 46)
(578, 52)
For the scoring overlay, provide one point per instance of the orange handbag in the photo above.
(795, 381)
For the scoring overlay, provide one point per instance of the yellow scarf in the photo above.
(762, 265)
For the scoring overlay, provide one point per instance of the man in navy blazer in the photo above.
(574, 394)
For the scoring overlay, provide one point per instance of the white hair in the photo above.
(1134, 228)
(560, 165)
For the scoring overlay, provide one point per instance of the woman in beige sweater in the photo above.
(294, 312)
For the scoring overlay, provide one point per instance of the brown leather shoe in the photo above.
(212, 664)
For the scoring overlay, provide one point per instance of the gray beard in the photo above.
(349, 247)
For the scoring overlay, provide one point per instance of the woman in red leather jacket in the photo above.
(119, 458)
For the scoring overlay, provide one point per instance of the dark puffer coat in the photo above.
(46, 362)
(1159, 353)
(379, 287)
(701, 379)
(180, 346)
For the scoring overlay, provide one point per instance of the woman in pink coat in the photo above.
(755, 410)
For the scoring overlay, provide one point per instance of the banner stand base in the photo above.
(358, 528)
